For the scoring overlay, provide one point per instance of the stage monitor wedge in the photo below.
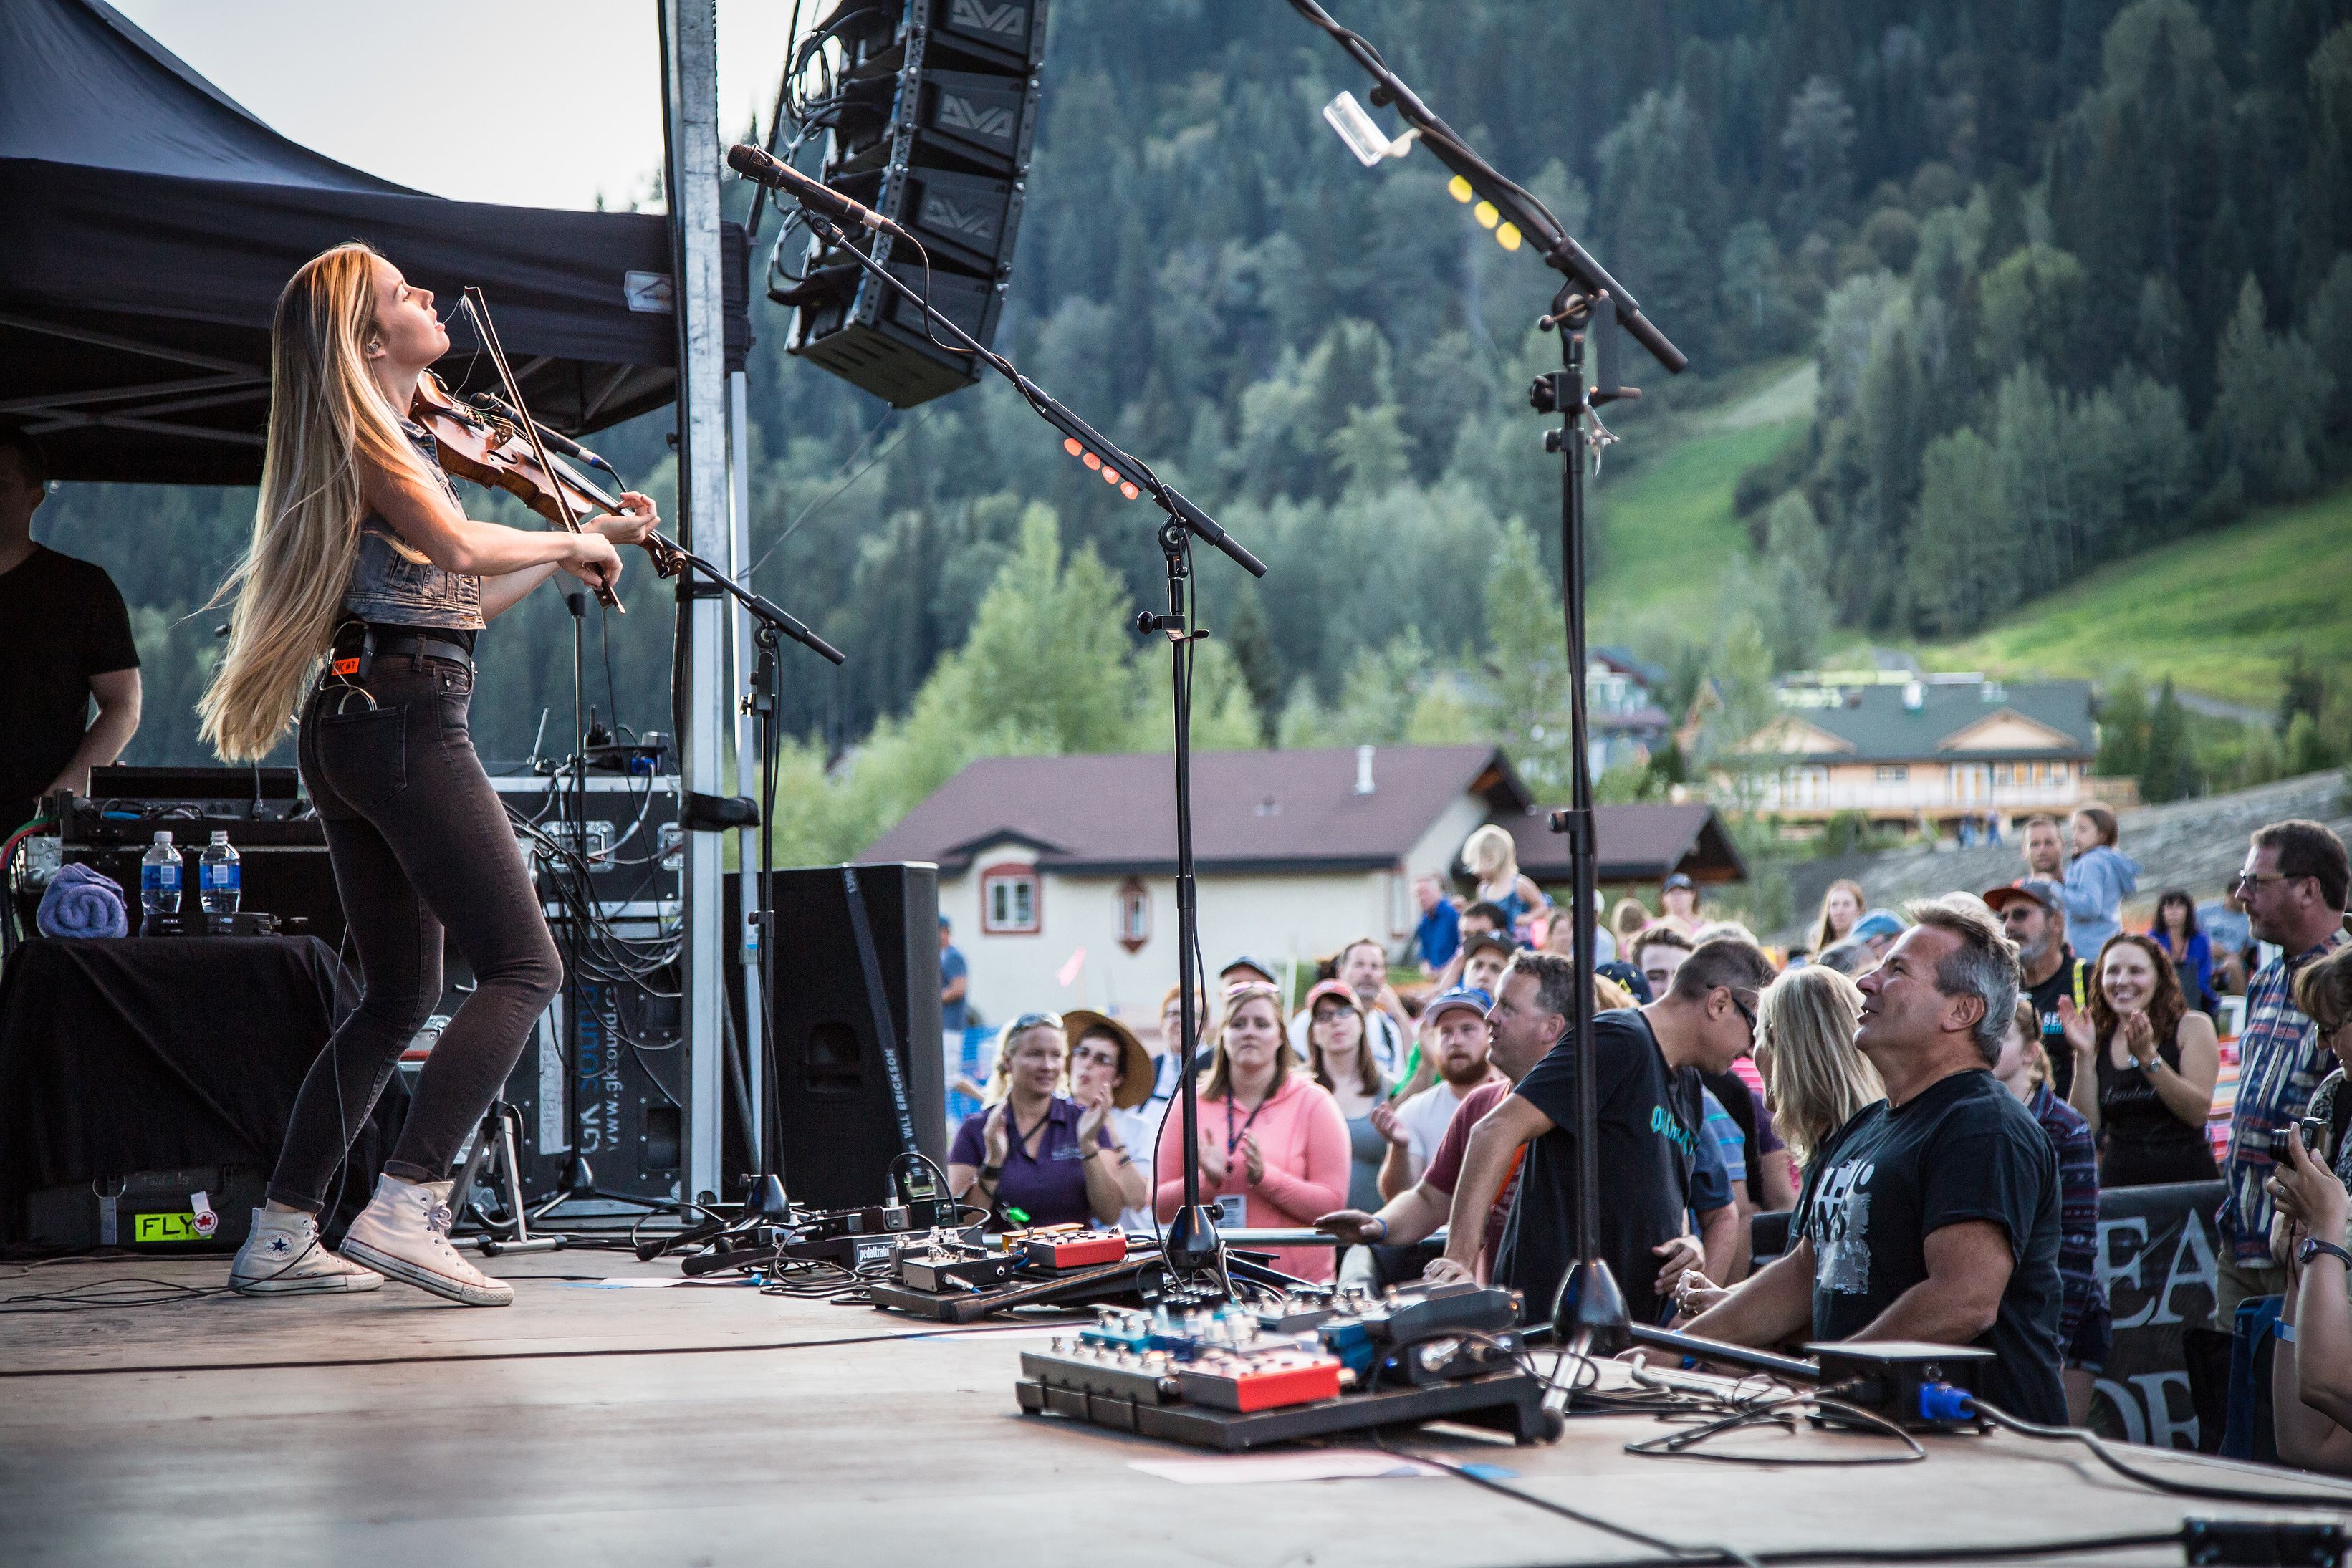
(933, 128)
(836, 1115)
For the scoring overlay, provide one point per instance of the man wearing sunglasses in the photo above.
(2293, 887)
(1649, 1127)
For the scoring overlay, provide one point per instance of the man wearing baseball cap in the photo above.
(1454, 1038)
(2033, 915)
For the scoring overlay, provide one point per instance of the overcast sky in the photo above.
(562, 98)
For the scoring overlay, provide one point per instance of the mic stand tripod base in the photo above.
(579, 1185)
(1191, 1244)
(767, 1200)
(1591, 1311)
(494, 1143)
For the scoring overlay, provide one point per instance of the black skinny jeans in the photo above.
(419, 840)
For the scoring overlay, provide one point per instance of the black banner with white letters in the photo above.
(2157, 1252)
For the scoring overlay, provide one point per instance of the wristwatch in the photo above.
(990, 1172)
(2313, 1247)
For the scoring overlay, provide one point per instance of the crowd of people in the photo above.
(1931, 1097)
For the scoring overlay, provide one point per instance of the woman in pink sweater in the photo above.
(1270, 1135)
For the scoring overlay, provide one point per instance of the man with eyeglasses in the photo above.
(2293, 887)
(1647, 1120)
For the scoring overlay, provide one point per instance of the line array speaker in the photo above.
(931, 128)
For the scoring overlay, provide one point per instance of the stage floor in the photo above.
(598, 1420)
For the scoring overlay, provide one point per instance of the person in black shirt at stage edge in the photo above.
(1646, 1062)
(1934, 1213)
(69, 642)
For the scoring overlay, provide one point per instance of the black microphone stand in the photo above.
(766, 1200)
(1190, 1244)
(1590, 1308)
(578, 1181)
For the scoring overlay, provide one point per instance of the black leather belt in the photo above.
(351, 663)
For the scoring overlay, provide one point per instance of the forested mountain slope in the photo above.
(2071, 273)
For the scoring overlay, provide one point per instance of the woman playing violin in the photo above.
(357, 602)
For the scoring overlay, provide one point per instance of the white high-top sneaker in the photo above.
(282, 1255)
(403, 1232)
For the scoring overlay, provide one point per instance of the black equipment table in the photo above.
(138, 1054)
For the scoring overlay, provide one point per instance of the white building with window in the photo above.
(1059, 871)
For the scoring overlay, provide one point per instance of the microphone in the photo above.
(778, 175)
(490, 402)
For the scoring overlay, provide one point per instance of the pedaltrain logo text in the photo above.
(1011, 18)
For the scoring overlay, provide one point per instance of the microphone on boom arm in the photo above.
(490, 402)
(818, 197)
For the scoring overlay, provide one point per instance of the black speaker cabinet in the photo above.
(836, 1115)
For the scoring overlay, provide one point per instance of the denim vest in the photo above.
(390, 588)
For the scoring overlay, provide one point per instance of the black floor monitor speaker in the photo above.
(837, 1114)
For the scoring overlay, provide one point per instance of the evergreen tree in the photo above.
(1818, 141)
(2169, 769)
(1526, 660)
(1793, 607)
(2122, 729)
(2271, 395)
(1963, 558)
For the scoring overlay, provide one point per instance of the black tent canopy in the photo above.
(151, 221)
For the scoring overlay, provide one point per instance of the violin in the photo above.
(493, 451)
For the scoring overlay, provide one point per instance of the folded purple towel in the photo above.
(81, 903)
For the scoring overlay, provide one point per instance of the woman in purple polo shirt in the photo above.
(1036, 1156)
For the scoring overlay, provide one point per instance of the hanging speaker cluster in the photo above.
(930, 123)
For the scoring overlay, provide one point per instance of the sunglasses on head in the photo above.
(1028, 1021)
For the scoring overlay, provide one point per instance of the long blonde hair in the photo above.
(327, 413)
(1492, 846)
(1816, 1077)
(1824, 936)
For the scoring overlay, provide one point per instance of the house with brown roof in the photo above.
(1059, 871)
(1905, 748)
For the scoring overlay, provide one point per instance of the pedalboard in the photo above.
(1228, 1376)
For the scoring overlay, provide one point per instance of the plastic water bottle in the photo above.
(219, 880)
(159, 877)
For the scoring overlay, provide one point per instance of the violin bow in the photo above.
(479, 307)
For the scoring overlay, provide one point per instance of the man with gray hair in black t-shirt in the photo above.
(1932, 1215)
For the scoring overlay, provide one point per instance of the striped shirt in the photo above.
(2280, 1062)
(2078, 1210)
